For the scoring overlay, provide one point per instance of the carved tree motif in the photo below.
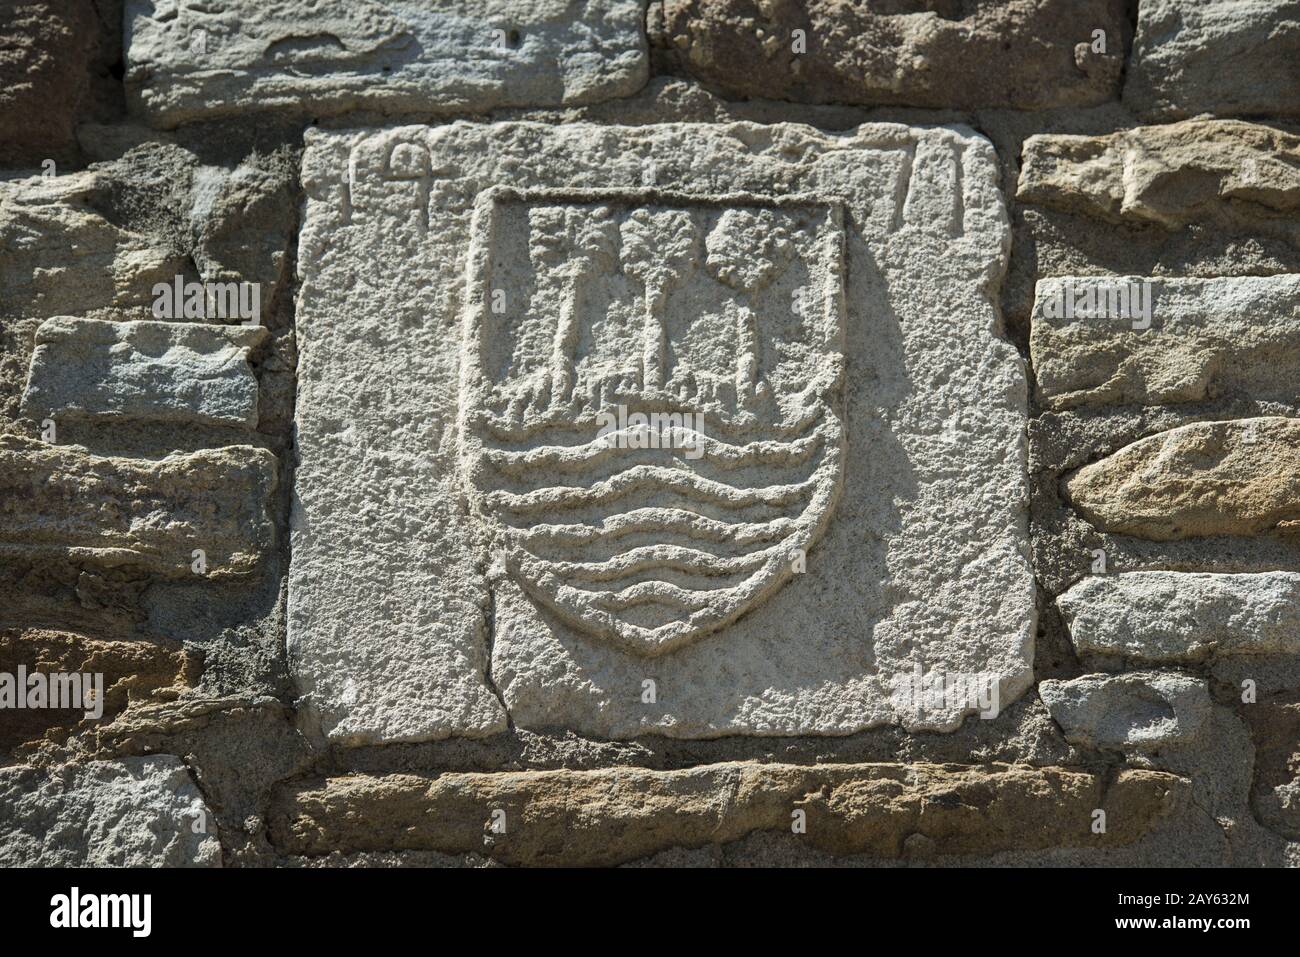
(571, 243)
(658, 250)
(747, 250)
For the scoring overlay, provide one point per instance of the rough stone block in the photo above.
(61, 502)
(172, 372)
(1206, 338)
(189, 60)
(1158, 617)
(243, 220)
(1209, 478)
(45, 48)
(134, 671)
(41, 219)
(137, 812)
(155, 213)
(844, 504)
(1227, 172)
(1215, 56)
(601, 818)
(1275, 732)
(1136, 711)
(1023, 54)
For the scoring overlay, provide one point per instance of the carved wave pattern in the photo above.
(652, 547)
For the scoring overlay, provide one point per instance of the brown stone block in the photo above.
(1209, 478)
(135, 671)
(61, 502)
(45, 51)
(1022, 54)
(598, 818)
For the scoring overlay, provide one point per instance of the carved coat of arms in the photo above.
(652, 401)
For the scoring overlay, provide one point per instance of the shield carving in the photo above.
(652, 421)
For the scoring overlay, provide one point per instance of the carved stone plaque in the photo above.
(690, 430)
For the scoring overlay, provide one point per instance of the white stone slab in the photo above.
(824, 302)
(199, 59)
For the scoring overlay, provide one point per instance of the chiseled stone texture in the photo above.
(1240, 477)
(1215, 56)
(607, 817)
(1207, 338)
(1023, 54)
(45, 49)
(156, 371)
(154, 213)
(189, 60)
(241, 220)
(1225, 171)
(137, 812)
(822, 300)
(1159, 617)
(61, 502)
(1135, 711)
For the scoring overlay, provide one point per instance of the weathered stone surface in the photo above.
(242, 220)
(188, 60)
(1275, 731)
(45, 47)
(60, 502)
(1215, 56)
(1209, 478)
(1024, 54)
(237, 748)
(488, 590)
(134, 672)
(232, 211)
(1136, 711)
(1157, 617)
(42, 218)
(1207, 338)
(598, 818)
(822, 301)
(1221, 171)
(156, 371)
(154, 213)
(137, 812)
(1197, 199)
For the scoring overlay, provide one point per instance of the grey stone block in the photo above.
(1137, 711)
(136, 812)
(1205, 338)
(188, 60)
(174, 372)
(1158, 617)
(1230, 57)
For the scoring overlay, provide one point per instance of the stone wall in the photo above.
(590, 431)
